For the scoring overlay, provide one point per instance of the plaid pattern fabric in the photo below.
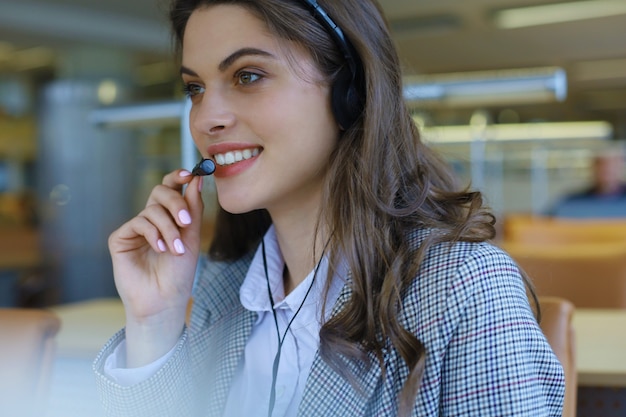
(486, 355)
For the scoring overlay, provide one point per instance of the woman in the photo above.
(347, 275)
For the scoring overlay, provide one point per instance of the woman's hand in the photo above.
(154, 261)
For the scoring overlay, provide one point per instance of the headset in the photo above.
(347, 92)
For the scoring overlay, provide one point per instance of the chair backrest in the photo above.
(544, 230)
(27, 348)
(590, 275)
(556, 324)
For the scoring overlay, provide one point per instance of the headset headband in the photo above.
(335, 31)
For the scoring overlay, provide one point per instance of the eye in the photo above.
(246, 77)
(191, 90)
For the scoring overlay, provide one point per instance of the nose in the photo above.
(211, 114)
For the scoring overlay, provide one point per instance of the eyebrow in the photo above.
(231, 59)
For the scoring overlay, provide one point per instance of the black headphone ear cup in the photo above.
(345, 100)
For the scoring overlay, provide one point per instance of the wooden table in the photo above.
(87, 325)
(600, 347)
(85, 328)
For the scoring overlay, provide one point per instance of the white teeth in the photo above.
(230, 158)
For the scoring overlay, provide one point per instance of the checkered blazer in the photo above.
(486, 355)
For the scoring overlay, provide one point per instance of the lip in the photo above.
(229, 147)
(222, 171)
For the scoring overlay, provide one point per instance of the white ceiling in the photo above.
(442, 36)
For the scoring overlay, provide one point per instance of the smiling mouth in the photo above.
(229, 158)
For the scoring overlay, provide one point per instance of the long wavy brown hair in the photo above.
(383, 183)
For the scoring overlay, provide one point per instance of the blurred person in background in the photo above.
(606, 196)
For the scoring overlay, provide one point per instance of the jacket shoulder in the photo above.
(452, 274)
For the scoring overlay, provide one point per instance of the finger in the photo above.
(167, 229)
(176, 179)
(134, 234)
(193, 198)
(173, 202)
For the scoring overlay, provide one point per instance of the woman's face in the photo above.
(266, 122)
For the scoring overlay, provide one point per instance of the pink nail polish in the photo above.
(184, 173)
(200, 182)
(184, 217)
(161, 245)
(178, 245)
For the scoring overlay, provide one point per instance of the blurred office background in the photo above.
(516, 102)
(516, 98)
(517, 95)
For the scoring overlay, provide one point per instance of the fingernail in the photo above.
(184, 217)
(184, 173)
(178, 245)
(161, 245)
(200, 182)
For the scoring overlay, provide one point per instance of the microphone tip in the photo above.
(204, 167)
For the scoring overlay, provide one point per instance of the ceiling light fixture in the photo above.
(520, 132)
(513, 86)
(557, 13)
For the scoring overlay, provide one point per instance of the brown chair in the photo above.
(27, 348)
(556, 323)
(544, 230)
(590, 275)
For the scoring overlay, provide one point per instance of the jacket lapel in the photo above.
(229, 326)
(234, 331)
(327, 393)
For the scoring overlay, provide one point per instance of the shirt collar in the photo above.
(253, 292)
